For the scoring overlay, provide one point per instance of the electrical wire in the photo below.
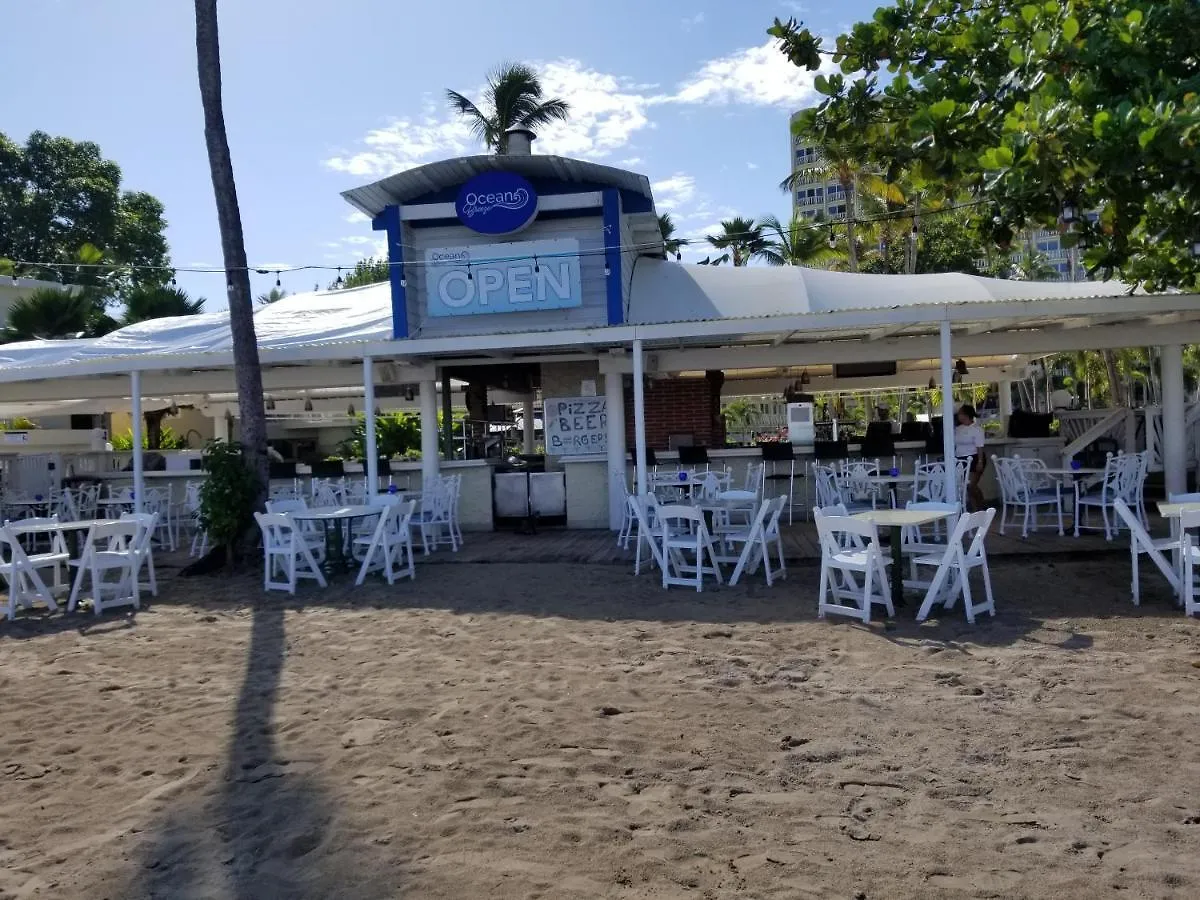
(694, 240)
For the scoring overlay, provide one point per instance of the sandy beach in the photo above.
(560, 731)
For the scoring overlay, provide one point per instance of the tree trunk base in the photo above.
(214, 562)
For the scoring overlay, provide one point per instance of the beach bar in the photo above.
(524, 275)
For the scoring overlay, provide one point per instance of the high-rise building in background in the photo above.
(815, 194)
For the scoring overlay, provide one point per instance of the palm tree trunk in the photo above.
(851, 246)
(247, 372)
(1116, 387)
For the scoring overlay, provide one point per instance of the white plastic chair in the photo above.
(1140, 543)
(22, 571)
(644, 510)
(849, 550)
(628, 522)
(954, 567)
(454, 487)
(1023, 486)
(433, 518)
(757, 539)
(313, 533)
(1190, 555)
(158, 503)
(1118, 482)
(111, 547)
(285, 547)
(390, 547)
(144, 546)
(688, 551)
(857, 486)
(743, 503)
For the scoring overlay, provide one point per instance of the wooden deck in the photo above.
(559, 545)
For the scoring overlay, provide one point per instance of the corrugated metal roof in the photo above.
(373, 198)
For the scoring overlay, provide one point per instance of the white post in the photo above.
(614, 397)
(371, 446)
(951, 489)
(135, 410)
(1005, 403)
(430, 470)
(639, 418)
(221, 427)
(527, 429)
(1174, 449)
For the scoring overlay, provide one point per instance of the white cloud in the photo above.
(751, 166)
(606, 111)
(630, 162)
(357, 218)
(273, 266)
(690, 22)
(760, 76)
(673, 192)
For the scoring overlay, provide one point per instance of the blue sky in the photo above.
(321, 96)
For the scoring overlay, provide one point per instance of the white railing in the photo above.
(1080, 428)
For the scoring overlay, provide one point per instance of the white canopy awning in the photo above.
(672, 306)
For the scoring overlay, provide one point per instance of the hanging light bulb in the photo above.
(832, 238)
(350, 411)
(378, 412)
(15, 280)
(278, 283)
(469, 278)
(804, 379)
(403, 280)
(174, 283)
(932, 383)
(308, 407)
(228, 280)
(537, 268)
(1069, 212)
(338, 282)
(607, 270)
(270, 404)
(960, 366)
(678, 256)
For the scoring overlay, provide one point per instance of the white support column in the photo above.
(948, 415)
(1005, 403)
(527, 429)
(221, 427)
(614, 396)
(135, 412)
(430, 469)
(639, 418)
(1174, 449)
(371, 445)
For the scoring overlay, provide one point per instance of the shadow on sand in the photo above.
(266, 828)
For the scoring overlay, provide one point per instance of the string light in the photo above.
(537, 268)
(338, 282)
(278, 283)
(832, 238)
(648, 246)
(607, 270)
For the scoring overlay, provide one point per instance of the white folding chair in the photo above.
(743, 503)
(1119, 471)
(144, 546)
(454, 486)
(1141, 543)
(850, 549)
(285, 547)
(22, 571)
(688, 551)
(628, 522)
(390, 548)
(756, 540)
(433, 518)
(110, 547)
(312, 532)
(954, 567)
(1190, 555)
(644, 510)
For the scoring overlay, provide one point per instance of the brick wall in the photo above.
(680, 406)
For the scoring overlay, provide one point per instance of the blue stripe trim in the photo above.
(389, 221)
(612, 255)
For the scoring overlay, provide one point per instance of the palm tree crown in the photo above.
(143, 303)
(53, 313)
(513, 97)
(742, 238)
(798, 243)
(671, 243)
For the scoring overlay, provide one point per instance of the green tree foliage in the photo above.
(365, 271)
(271, 296)
(155, 302)
(1034, 107)
(52, 313)
(513, 97)
(396, 433)
(168, 439)
(741, 238)
(58, 195)
(228, 495)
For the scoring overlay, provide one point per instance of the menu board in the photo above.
(576, 426)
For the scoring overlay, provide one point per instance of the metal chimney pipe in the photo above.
(520, 141)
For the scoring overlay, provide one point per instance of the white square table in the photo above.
(896, 520)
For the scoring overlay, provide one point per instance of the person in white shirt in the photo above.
(968, 446)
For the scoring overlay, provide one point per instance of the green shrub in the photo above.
(227, 495)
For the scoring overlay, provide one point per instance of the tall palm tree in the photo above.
(667, 226)
(246, 368)
(800, 242)
(148, 302)
(52, 313)
(513, 97)
(743, 238)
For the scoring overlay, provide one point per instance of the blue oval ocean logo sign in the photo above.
(496, 203)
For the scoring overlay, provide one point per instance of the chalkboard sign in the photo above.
(576, 426)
